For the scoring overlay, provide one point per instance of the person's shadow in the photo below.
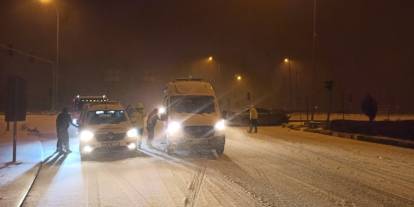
(55, 159)
(49, 169)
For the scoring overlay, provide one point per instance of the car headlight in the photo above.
(132, 133)
(173, 127)
(162, 110)
(132, 146)
(220, 125)
(86, 135)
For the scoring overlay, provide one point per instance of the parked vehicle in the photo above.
(106, 127)
(267, 117)
(191, 118)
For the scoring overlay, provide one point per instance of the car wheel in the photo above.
(84, 157)
(220, 149)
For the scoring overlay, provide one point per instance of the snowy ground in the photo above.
(277, 167)
(16, 178)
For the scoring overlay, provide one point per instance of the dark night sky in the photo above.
(364, 46)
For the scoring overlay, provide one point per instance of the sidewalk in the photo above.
(16, 179)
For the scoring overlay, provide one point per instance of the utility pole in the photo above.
(56, 75)
(314, 77)
(290, 86)
(329, 87)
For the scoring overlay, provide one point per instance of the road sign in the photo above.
(16, 105)
(16, 99)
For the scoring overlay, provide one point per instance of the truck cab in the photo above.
(191, 117)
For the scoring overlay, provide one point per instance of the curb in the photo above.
(26, 193)
(360, 137)
(39, 164)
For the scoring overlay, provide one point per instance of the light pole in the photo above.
(55, 90)
(287, 61)
(314, 78)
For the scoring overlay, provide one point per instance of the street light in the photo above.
(286, 60)
(56, 71)
(210, 59)
(239, 77)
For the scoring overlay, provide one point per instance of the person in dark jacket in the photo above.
(63, 121)
(151, 122)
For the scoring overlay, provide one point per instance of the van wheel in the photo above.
(139, 145)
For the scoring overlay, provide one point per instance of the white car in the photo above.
(191, 117)
(106, 127)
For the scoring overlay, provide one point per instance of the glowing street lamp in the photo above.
(45, 1)
(239, 77)
(286, 60)
(210, 59)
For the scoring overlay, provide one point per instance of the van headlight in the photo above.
(86, 136)
(220, 125)
(173, 127)
(132, 133)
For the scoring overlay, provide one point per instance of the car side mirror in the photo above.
(162, 117)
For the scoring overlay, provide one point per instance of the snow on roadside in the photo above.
(15, 179)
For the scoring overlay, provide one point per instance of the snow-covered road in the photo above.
(276, 167)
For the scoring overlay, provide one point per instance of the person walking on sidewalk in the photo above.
(63, 121)
(253, 119)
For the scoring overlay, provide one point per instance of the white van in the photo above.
(191, 118)
(106, 127)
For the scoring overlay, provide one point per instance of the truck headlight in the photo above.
(220, 125)
(132, 133)
(86, 136)
(173, 127)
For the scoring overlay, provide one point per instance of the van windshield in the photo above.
(106, 117)
(192, 104)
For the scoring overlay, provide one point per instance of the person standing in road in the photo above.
(253, 119)
(136, 114)
(63, 121)
(151, 122)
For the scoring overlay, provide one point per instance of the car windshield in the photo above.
(106, 117)
(192, 104)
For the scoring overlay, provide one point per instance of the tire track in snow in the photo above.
(376, 193)
(125, 186)
(194, 166)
